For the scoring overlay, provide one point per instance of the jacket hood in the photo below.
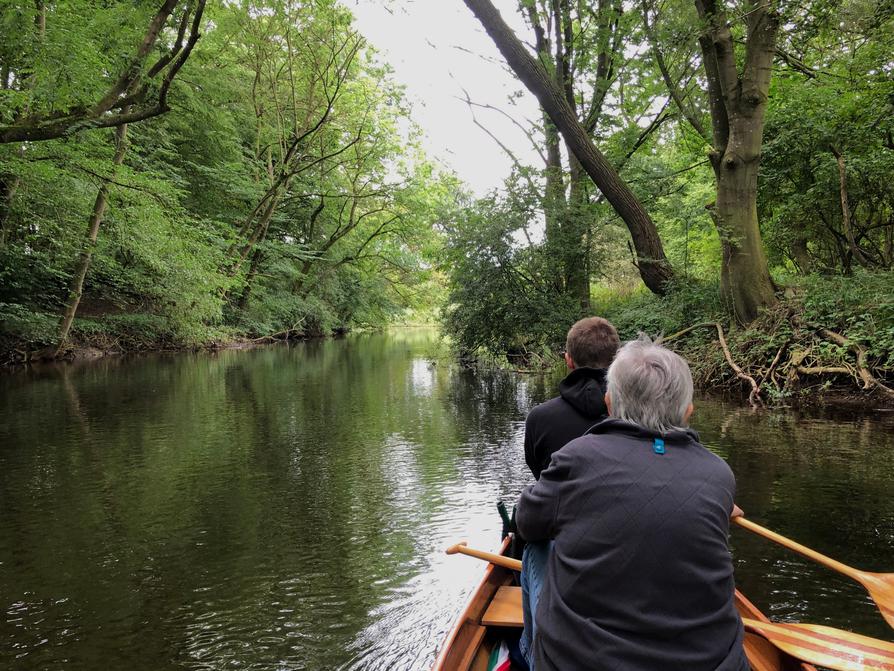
(584, 390)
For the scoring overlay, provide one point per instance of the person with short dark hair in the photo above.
(589, 348)
(640, 576)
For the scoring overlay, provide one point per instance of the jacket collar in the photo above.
(613, 425)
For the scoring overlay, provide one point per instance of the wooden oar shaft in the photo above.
(801, 549)
(493, 558)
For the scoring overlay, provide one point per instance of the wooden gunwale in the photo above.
(466, 646)
(467, 626)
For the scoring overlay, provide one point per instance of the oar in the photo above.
(826, 646)
(499, 560)
(816, 644)
(879, 585)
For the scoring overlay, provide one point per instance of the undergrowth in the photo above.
(810, 341)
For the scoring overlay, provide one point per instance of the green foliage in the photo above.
(860, 307)
(844, 105)
(688, 302)
(279, 102)
(21, 323)
(502, 296)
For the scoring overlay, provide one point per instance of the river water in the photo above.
(288, 507)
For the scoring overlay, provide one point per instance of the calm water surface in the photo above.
(288, 507)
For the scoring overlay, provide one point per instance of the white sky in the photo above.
(437, 48)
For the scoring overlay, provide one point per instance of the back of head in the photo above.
(592, 342)
(650, 385)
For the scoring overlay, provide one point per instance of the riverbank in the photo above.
(113, 335)
(828, 340)
(118, 335)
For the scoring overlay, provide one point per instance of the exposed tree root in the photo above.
(754, 397)
(824, 370)
(869, 380)
(287, 334)
(797, 356)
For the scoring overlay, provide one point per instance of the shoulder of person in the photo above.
(714, 460)
(586, 446)
(544, 408)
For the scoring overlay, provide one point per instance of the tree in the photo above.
(738, 103)
(76, 288)
(831, 95)
(652, 262)
(581, 51)
(44, 104)
(279, 198)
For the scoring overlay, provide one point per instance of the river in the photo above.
(288, 507)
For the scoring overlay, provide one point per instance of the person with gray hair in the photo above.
(640, 576)
(650, 386)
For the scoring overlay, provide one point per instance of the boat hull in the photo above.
(470, 641)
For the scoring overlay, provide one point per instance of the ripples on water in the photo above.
(288, 508)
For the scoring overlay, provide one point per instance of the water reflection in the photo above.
(288, 507)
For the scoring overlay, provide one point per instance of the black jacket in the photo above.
(641, 577)
(552, 424)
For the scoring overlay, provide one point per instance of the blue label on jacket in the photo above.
(658, 446)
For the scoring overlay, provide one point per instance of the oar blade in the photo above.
(828, 647)
(881, 588)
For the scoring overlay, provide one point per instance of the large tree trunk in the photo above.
(76, 287)
(745, 282)
(653, 265)
(738, 104)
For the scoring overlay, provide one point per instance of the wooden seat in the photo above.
(505, 610)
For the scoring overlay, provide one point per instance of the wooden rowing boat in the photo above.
(496, 605)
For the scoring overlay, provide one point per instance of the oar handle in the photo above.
(797, 547)
(493, 558)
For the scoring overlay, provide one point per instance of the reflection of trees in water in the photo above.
(290, 492)
(822, 478)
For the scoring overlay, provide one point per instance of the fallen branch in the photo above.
(824, 370)
(287, 333)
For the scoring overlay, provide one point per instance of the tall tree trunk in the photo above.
(889, 245)
(653, 265)
(738, 104)
(745, 282)
(252, 272)
(576, 226)
(846, 221)
(76, 287)
(554, 204)
(9, 184)
(799, 250)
